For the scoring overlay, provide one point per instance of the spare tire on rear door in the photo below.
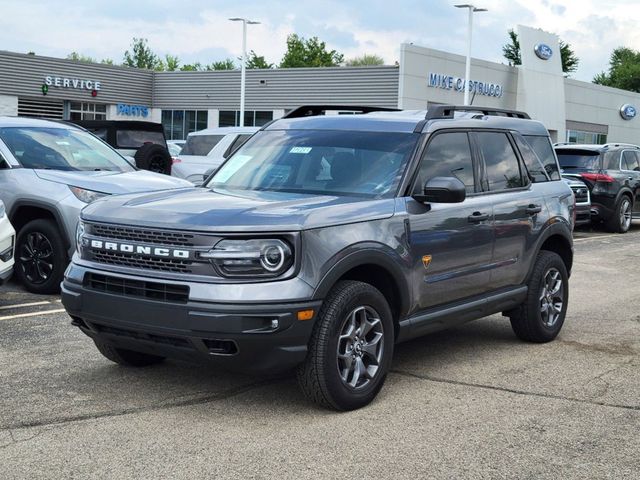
(153, 157)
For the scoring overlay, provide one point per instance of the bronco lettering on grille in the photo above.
(140, 249)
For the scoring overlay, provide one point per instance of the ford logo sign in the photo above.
(628, 111)
(543, 51)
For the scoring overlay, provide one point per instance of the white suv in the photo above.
(7, 245)
(204, 151)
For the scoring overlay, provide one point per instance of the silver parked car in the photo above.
(48, 172)
(205, 151)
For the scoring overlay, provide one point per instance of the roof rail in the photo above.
(316, 110)
(447, 111)
(617, 144)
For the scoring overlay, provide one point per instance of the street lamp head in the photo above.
(248, 22)
(471, 7)
(236, 19)
(480, 9)
(251, 22)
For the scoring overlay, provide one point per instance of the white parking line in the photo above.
(22, 305)
(32, 314)
(595, 237)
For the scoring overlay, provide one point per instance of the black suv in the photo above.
(327, 239)
(144, 141)
(612, 174)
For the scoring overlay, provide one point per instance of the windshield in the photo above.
(578, 159)
(61, 149)
(200, 144)
(324, 162)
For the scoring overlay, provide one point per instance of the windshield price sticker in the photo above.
(303, 150)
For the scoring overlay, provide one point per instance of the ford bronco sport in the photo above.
(327, 239)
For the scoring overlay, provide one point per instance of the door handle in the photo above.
(533, 209)
(477, 217)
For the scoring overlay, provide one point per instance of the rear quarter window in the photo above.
(541, 145)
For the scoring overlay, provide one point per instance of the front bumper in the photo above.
(253, 338)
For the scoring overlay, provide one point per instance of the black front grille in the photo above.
(140, 261)
(162, 292)
(149, 337)
(142, 235)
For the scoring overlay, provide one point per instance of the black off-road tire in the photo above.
(616, 222)
(527, 320)
(48, 230)
(153, 157)
(127, 358)
(318, 376)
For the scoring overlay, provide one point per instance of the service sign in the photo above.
(449, 82)
(76, 83)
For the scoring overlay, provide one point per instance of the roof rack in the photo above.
(447, 111)
(618, 144)
(316, 110)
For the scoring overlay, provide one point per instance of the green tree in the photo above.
(365, 60)
(106, 61)
(172, 62)
(309, 53)
(257, 61)
(511, 51)
(226, 64)
(78, 57)
(142, 56)
(624, 70)
(191, 67)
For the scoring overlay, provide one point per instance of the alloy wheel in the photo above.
(360, 347)
(551, 297)
(36, 258)
(625, 214)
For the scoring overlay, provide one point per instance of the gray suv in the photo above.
(327, 239)
(48, 172)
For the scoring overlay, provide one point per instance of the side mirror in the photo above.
(442, 190)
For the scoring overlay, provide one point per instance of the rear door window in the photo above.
(501, 163)
(630, 161)
(543, 149)
(200, 144)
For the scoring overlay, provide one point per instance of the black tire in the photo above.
(153, 157)
(620, 221)
(529, 323)
(127, 358)
(319, 376)
(41, 257)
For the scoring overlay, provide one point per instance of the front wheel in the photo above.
(351, 348)
(541, 316)
(40, 256)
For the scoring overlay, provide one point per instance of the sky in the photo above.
(199, 30)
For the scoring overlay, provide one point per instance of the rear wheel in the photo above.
(128, 358)
(40, 256)
(350, 349)
(620, 221)
(541, 316)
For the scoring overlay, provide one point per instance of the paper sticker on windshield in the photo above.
(234, 164)
(302, 150)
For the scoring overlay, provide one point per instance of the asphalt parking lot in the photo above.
(473, 402)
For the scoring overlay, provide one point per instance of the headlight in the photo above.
(86, 196)
(79, 235)
(3, 210)
(260, 257)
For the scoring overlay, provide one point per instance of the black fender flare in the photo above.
(558, 227)
(47, 207)
(623, 191)
(368, 254)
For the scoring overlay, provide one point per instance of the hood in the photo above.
(225, 211)
(114, 182)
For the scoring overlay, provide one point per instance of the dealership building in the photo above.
(574, 111)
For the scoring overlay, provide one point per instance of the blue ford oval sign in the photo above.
(628, 111)
(543, 51)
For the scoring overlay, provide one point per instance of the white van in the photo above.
(205, 151)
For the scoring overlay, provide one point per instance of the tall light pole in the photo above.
(467, 68)
(243, 67)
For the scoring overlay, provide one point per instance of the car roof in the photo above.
(34, 122)
(224, 131)
(407, 121)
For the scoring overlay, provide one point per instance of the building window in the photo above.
(179, 123)
(252, 118)
(577, 136)
(87, 111)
